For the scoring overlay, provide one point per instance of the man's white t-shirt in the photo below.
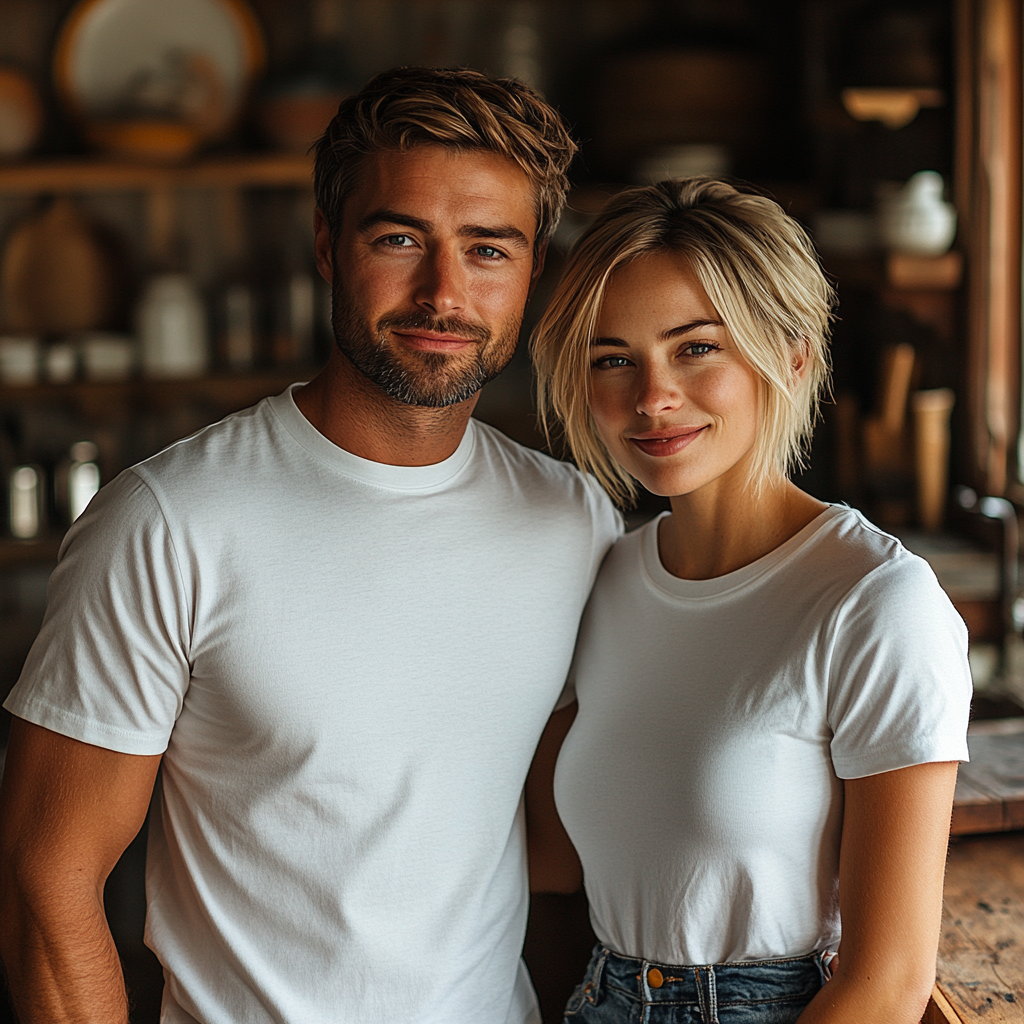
(700, 781)
(347, 666)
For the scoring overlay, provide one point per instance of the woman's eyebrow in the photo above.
(615, 342)
(691, 325)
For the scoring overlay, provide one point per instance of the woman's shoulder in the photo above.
(853, 547)
(885, 583)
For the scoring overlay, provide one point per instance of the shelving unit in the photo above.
(38, 551)
(160, 182)
(110, 402)
(95, 174)
(96, 399)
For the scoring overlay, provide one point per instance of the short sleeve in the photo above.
(110, 666)
(899, 681)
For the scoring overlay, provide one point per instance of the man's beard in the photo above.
(438, 380)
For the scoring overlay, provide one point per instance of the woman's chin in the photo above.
(666, 484)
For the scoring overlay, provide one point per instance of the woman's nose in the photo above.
(441, 287)
(659, 393)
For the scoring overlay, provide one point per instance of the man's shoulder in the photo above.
(220, 451)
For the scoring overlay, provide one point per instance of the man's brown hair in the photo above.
(457, 109)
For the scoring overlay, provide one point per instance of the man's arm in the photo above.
(554, 864)
(891, 866)
(68, 810)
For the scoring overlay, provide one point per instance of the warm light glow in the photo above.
(893, 107)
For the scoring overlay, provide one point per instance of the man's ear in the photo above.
(539, 255)
(323, 246)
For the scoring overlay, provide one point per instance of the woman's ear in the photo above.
(800, 360)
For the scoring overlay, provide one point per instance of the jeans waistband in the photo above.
(709, 985)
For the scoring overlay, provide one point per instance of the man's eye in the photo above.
(401, 241)
(489, 252)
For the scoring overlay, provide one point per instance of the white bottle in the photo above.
(172, 328)
(25, 501)
(915, 219)
(83, 478)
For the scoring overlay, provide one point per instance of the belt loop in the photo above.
(598, 971)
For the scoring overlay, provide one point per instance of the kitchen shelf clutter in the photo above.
(130, 354)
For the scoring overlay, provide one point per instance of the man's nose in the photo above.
(441, 288)
(659, 392)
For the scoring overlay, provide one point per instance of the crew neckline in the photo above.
(699, 590)
(380, 474)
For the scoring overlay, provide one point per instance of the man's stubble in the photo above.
(430, 379)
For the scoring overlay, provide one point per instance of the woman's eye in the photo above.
(700, 348)
(611, 362)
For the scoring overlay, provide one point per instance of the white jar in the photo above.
(19, 360)
(172, 328)
(107, 356)
(915, 219)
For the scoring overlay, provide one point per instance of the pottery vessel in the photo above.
(915, 219)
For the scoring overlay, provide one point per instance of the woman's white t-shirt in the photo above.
(700, 782)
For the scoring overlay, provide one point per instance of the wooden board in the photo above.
(939, 1010)
(981, 949)
(990, 789)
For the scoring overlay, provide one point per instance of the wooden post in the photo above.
(988, 191)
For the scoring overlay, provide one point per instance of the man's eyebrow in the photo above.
(404, 220)
(502, 232)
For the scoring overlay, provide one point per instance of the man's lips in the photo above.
(433, 341)
(666, 442)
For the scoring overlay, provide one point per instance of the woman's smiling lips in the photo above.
(666, 442)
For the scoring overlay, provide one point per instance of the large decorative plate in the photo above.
(172, 62)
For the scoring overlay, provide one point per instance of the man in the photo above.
(336, 622)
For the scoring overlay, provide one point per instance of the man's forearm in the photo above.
(61, 961)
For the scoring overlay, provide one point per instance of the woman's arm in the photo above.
(554, 865)
(891, 864)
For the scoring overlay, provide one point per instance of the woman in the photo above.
(772, 693)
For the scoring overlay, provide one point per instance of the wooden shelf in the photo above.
(38, 551)
(106, 401)
(91, 174)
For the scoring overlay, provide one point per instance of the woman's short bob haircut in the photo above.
(762, 275)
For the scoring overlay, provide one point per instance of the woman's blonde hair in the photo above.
(760, 271)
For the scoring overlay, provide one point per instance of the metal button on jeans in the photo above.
(655, 978)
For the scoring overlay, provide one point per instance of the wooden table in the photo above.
(990, 789)
(980, 974)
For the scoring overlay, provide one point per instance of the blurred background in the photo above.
(156, 265)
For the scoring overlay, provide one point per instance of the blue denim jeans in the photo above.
(625, 990)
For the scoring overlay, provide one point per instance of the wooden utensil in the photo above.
(59, 274)
(931, 453)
